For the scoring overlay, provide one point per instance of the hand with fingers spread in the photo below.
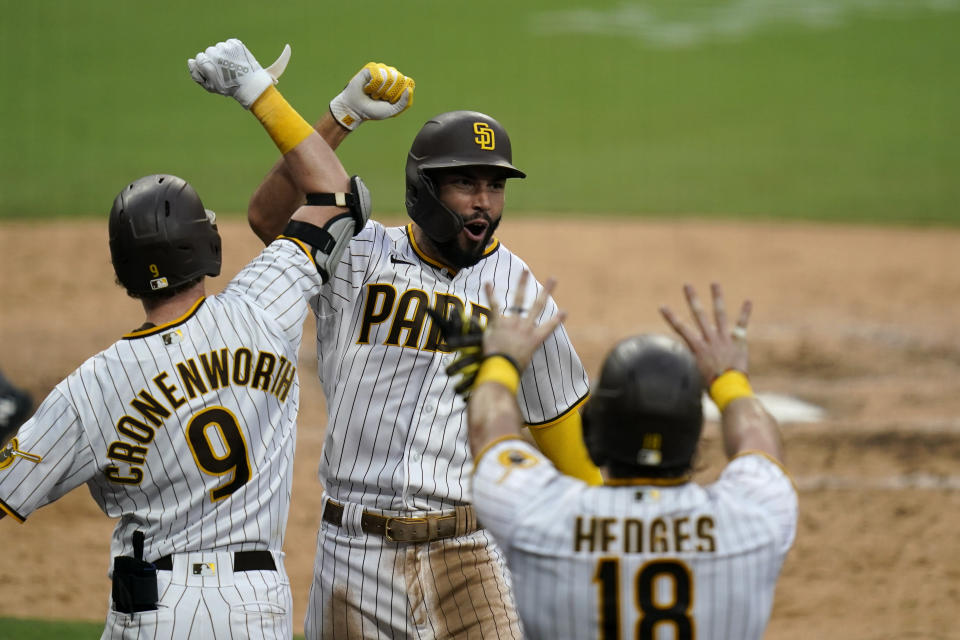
(716, 348)
(515, 333)
(721, 355)
(512, 335)
(509, 342)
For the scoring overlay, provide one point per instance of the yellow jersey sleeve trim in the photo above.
(563, 416)
(10, 512)
(757, 452)
(492, 444)
(303, 246)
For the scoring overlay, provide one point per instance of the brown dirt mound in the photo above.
(861, 321)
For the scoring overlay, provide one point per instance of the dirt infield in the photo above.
(860, 321)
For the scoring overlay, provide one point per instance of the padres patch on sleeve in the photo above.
(511, 459)
(11, 452)
(516, 458)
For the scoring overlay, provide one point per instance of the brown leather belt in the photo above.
(242, 561)
(407, 528)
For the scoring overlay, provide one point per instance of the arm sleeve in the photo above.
(49, 457)
(509, 475)
(562, 442)
(761, 481)
(283, 281)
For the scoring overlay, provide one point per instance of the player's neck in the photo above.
(427, 247)
(161, 312)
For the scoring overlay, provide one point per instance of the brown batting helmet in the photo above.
(161, 236)
(645, 413)
(452, 139)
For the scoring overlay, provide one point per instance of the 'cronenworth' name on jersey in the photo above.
(152, 424)
(396, 434)
(638, 561)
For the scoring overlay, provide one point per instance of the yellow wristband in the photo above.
(282, 122)
(729, 386)
(499, 369)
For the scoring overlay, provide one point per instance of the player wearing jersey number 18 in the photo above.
(184, 428)
(652, 554)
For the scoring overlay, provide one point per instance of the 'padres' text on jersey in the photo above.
(396, 432)
(641, 561)
(185, 431)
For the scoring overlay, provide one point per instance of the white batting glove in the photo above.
(377, 92)
(228, 68)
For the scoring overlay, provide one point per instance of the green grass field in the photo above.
(837, 110)
(712, 108)
(17, 629)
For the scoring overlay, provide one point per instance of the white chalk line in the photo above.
(909, 481)
(786, 409)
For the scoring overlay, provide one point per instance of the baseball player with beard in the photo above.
(400, 553)
(184, 428)
(652, 555)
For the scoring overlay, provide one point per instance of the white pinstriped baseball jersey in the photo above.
(396, 434)
(185, 431)
(638, 561)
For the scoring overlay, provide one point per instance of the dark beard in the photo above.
(454, 256)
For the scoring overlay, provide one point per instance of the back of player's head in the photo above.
(447, 141)
(161, 237)
(645, 412)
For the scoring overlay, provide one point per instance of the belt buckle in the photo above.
(420, 529)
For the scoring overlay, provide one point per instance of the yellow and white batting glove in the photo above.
(228, 68)
(377, 92)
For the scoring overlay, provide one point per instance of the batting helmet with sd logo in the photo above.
(645, 414)
(452, 139)
(161, 237)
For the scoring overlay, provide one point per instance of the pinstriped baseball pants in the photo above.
(202, 597)
(367, 587)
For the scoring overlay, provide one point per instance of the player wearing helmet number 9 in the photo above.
(183, 429)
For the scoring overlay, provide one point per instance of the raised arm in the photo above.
(721, 355)
(502, 352)
(509, 342)
(279, 195)
(336, 206)
(376, 92)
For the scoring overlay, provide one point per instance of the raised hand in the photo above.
(515, 332)
(716, 347)
(228, 68)
(376, 92)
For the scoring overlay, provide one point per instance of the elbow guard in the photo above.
(358, 201)
(327, 243)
